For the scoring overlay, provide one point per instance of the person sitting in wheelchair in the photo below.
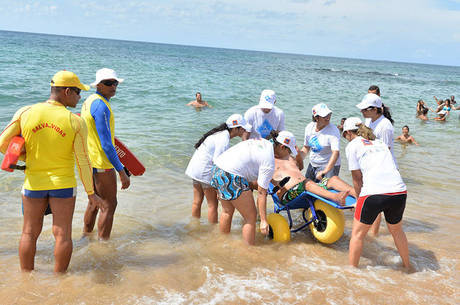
(288, 164)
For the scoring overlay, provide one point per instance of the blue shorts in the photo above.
(59, 193)
(229, 186)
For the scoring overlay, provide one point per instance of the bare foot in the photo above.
(341, 197)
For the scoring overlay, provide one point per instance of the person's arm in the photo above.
(413, 140)
(304, 152)
(80, 150)
(357, 177)
(330, 165)
(299, 159)
(247, 134)
(262, 205)
(207, 104)
(190, 103)
(101, 115)
(399, 138)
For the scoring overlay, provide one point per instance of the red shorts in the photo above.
(391, 204)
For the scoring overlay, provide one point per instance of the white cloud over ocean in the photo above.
(379, 29)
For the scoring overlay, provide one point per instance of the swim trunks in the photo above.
(229, 186)
(59, 193)
(299, 188)
(391, 204)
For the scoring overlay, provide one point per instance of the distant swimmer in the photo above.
(440, 105)
(55, 139)
(379, 185)
(406, 137)
(97, 113)
(444, 112)
(208, 148)
(198, 103)
(420, 108)
(264, 117)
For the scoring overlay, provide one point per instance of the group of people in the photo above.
(268, 154)
(54, 140)
(443, 108)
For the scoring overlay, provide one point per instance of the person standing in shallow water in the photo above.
(55, 139)
(198, 103)
(98, 116)
(208, 148)
(379, 185)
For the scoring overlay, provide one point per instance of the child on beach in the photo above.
(405, 137)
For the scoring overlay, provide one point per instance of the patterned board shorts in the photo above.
(229, 186)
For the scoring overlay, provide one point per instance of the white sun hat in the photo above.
(370, 100)
(105, 73)
(237, 120)
(267, 99)
(286, 138)
(320, 109)
(351, 123)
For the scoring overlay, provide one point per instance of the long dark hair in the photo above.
(221, 127)
(374, 89)
(386, 113)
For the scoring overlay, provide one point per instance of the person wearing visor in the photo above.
(248, 162)
(322, 141)
(378, 119)
(264, 117)
(380, 187)
(208, 148)
(55, 139)
(98, 116)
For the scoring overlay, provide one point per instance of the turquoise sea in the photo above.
(158, 254)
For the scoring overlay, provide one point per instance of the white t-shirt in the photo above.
(322, 143)
(262, 123)
(373, 158)
(383, 130)
(200, 166)
(252, 159)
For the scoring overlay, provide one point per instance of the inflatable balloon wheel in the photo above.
(329, 226)
(278, 228)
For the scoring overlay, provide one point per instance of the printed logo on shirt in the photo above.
(366, 142)
(314, 144)
(264, 129)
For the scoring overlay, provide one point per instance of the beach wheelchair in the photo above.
(324, 217)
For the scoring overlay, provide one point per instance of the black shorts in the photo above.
(392, 205)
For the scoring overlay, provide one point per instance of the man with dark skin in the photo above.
(97, 113)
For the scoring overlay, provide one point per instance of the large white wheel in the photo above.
(329, 226)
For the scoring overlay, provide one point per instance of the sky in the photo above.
(421, 31)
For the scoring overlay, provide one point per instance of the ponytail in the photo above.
(386, 113)
(221, 127)
(365, 132)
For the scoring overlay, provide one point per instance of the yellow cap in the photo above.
(67, 79)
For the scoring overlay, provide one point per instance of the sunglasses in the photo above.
(110, 82)
(76, 90)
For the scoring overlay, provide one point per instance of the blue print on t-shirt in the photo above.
(314, 144)
(264, 129)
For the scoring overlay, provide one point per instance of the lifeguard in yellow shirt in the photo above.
(54, 139)
(99, 119)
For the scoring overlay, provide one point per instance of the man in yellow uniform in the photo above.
(53, 137)
(99, 119)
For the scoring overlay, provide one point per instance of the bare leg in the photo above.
(106, 188)
(211, 198)
(225, 223)
(376, 225)
(318, 190)
(246, 206)
(400, 240)
(63, 209)
(198, 196)
(34, 210)
(358, 233)
(339, 185)
(89, 219)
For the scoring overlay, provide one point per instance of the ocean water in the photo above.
(157, 253)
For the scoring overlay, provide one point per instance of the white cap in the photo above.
(287, 139)
(351, 124)
(370, 100)
(105, 73)
(237, 120)
(267, 99)
(321, 110)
